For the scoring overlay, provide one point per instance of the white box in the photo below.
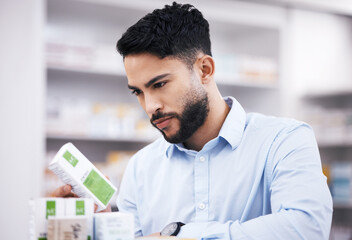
(113, 226)
(67, 228)
(41, 209)
(73, 168)
(81, 207)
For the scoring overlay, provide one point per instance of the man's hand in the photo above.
(107, 209)
(65, 191)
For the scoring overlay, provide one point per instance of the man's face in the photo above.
(170, 93)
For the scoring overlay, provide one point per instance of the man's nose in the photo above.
(152, 104)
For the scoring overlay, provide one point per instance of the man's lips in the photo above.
(162, 123)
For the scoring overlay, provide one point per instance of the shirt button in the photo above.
(201, 206)
(202, 159)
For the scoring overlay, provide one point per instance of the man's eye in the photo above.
(159, 84)
(136, 92)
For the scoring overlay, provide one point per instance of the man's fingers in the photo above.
(71, 195)
(107, 209)
(63, 191)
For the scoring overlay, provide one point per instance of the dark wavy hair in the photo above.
(179, 31)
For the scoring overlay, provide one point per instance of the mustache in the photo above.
(159, 115)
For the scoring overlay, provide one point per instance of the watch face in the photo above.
(169, 230)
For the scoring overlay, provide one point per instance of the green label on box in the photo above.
(79, 207)
(50, 208)
(70, 158)
(42, 238)
(99, 187)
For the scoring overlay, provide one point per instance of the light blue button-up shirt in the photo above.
(261, 178)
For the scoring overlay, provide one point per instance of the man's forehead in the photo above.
(141, 68)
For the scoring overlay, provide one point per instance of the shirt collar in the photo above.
(231, 130)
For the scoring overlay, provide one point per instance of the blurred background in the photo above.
(61, 80)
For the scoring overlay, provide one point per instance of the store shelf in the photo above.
(254, 35)
(123, 139)
(247, 84)
(235, 83)
(241, 13)
(330, 115)
(328, 94)
(338, 205)
(335, 143)
(68, 69)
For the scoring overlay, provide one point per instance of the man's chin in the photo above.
(165, 132)
(171, 138)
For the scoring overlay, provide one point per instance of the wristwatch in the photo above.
(172, 229)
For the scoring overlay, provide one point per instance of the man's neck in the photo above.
(211, 128)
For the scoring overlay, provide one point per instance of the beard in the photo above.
(195, 112)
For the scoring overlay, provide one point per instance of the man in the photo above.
(217, 172)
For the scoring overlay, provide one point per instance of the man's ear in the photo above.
(207, 68)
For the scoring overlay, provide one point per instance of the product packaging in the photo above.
(81, 207)
(40, 210)
(67, 228)
(73, 168)
(114, 225)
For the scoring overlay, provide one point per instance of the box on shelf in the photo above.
(226, 68)
(330, 125)
(40, 210)
(81, 207)
(75, 117)
(114, 225)
(68, 228)
(231, 69)
(341, 182)
(84, 56)
(258, 70)
(52, 218)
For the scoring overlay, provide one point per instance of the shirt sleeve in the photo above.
(300, 198)
(126, 200)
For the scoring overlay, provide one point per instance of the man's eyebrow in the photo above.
(150, 82)
(132, 87)
(154, 79)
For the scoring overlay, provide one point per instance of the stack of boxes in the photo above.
(59, 218)
(74, 219)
